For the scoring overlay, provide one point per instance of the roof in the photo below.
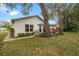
(30, 17)
(26, 18)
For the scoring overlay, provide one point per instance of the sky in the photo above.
(12, 14)
(16, 13)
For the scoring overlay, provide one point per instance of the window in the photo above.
(39, 28)
(31, 27)
(28, 28)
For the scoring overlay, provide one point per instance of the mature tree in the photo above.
(25, 11)
(60, 9)
(45, 16)
(72, 19)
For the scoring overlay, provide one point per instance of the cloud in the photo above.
(8, 20)
(14, 12)
(4, 9)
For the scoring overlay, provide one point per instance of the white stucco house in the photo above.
(27, 24)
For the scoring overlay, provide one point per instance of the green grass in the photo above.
(67, 45)
(3, 34)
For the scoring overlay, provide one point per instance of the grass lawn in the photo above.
(58, 45)
(3, 34)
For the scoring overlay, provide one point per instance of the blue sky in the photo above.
(5, 16)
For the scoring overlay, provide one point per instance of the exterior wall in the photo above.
(19, 25)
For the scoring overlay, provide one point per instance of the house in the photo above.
(27, 24)
(30, 24)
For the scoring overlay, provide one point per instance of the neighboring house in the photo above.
(30, 24)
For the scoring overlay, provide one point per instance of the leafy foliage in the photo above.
(24, 7)
(24, 34)
(71, 20)
(11, 32)
(70, 13)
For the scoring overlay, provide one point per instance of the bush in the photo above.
(29, 34)
(24, 34)
(38, 34)
(11, 32)
(21, 34)
(42, 35)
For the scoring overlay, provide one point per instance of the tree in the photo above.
(25, 11)
(71, 23)
(60, 9)
(45, 16)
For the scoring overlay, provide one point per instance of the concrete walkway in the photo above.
(11, 39)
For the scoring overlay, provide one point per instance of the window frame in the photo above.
(30, 29)
(26, 28)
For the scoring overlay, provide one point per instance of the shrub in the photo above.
(21, 34)
(54, 34)
(24, 34)
(37, 33)
(40, 34)
(11, 32)
(29, 34)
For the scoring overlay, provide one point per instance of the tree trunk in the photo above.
(61, 25)
(45, 16)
